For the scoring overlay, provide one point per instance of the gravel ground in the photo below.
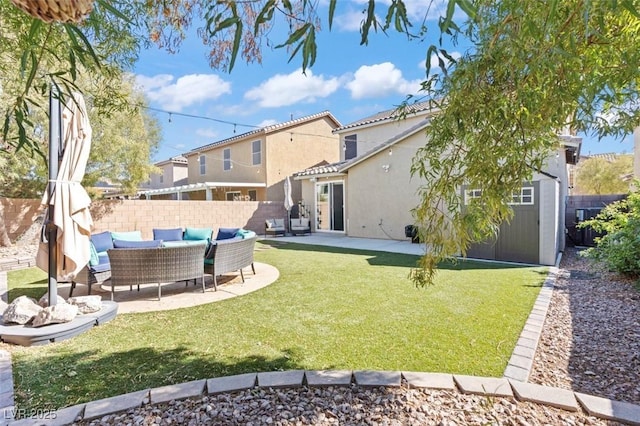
(590, 343)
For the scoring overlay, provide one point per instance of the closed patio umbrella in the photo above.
(66, 199)
(288, 202)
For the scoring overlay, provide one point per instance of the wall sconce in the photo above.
(390, 151)
(386, 167)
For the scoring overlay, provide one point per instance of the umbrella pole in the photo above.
(55, 136)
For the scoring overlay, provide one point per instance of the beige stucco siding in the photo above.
(242, 167)
(375, 195)
(292, 150)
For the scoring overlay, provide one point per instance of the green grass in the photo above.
(330, 309)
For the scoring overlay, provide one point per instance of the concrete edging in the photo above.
(485, 386)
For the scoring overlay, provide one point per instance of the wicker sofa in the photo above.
(135, 266)
(229, 255)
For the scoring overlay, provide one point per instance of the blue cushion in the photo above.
(127, 236)
(198, 233)
(168, 234)
(102, 241)
(136, 244)
(226, 233)
(102, 267)
(93, 255)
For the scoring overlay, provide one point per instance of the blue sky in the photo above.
(350, 80)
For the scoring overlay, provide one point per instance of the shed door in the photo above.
(518, 240)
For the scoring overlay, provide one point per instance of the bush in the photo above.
(619, 247)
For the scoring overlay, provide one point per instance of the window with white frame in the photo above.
(471, 194)
(161, 178)
(256, 152)
(226, 164)
(522, 197)
(203, 168)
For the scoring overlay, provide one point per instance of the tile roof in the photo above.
(418, 107)
(267, 129)
(322, 169)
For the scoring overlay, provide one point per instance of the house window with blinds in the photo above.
(203, 168)
(256, 153)
(226, 165)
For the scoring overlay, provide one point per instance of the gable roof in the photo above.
(173, 160)
(267, 130)
(419, 108)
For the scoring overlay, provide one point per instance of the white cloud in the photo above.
(185, 91)
(349, 21)
(373, 81)
(208, 133)
(267, 122)
(417, 12)
(282, 90)
(435, 65)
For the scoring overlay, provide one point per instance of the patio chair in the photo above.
(274, 227)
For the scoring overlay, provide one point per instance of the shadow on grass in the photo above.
(380, 258)
(53, 381)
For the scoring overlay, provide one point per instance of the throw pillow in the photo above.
(174, 234)
(198, 234)
(226, 233)
(245, 233)
(102, 241)
(136, 244)
(127, 236)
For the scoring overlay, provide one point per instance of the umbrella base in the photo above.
(25, 335)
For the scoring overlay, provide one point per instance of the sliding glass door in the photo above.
(330, 206)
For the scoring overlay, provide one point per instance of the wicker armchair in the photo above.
(135, 266)
(229, 256)
(89, 275)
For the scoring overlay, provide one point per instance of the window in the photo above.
(350, 147)
(522, 197)
(256, 153)
(203, 168)
(253, 195)
(226, 165)
(234, 196)
(470, 194)
(161, 178)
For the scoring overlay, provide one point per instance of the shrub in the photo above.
(619, 248)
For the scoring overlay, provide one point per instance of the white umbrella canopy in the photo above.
(68, 199)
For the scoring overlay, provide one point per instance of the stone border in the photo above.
(486, 386)
(521, 361)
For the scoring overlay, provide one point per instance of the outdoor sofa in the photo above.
(229, 255)
(99, 268)
(158, 265)
(300, 225)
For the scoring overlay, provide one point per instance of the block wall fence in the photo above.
(18, 215)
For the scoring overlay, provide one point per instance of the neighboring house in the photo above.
(370, 192)
(173, 172)
(254, 165)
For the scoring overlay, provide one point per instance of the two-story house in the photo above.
(370, 192)
(254, 165)
(174, 172)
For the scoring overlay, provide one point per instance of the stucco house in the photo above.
(173, 172)
(254, 165)
(370, 192)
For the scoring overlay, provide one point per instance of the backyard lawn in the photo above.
(330, 309)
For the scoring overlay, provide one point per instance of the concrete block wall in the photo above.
(145, 215)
